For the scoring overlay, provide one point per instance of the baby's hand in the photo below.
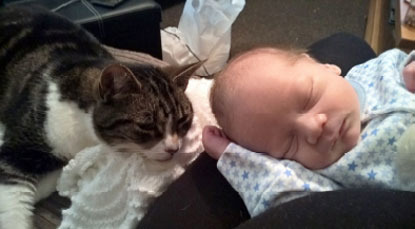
(409, 76)
(214, 141)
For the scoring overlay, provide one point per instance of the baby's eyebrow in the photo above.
(310, 91)
(302, 90)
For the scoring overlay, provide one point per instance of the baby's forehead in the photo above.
(253, 67)
(253, 71)
(255, 58)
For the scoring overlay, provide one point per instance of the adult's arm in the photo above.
(347, 208)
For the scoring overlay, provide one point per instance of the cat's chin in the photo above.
(159, 156)
(178, 158)
(164, 159)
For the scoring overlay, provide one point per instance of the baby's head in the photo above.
(287, 105)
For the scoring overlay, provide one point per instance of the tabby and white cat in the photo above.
(60, 92)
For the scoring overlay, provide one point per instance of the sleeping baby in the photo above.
(292, 125)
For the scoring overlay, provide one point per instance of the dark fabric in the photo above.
(202, 198)
(342, 49)
(132, 25)
(342, 209)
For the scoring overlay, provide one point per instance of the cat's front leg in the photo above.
(16, 205)
(46, 185)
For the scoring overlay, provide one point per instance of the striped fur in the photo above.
(60, 92)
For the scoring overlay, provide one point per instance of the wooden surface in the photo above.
(48, 212)
(378, 32)
(405, 35)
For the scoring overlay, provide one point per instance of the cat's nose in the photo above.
(171, 150)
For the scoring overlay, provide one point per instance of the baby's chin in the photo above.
(345, 146)
(338, 152)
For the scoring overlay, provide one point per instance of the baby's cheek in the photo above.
(410, 83)
(274, 154)
(352, 138)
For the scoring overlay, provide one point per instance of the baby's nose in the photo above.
(312, 126)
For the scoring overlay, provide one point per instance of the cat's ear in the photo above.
(181, 74)
(117, 79)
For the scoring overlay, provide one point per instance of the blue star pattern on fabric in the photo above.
(387, 110)
(275, 177)
(364, 136)
(391, 140)
(265, 203)
(256, 187)
(352, 166)
(245, 175)
(306, 187)
(371, 175)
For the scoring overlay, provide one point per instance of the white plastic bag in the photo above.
(204, 33)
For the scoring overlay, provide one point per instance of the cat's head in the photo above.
(144, 109)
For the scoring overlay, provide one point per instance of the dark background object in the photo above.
(201, 198)
(288, 23)
(108, 3)
(132, 24)
(349, 208)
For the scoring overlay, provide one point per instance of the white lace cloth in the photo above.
(113, 190)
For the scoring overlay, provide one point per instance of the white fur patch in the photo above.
(157, 152)
(69, 129)
(47, 185)
(16, 205)
(171, 140)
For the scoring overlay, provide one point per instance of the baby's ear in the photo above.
(306, 55)
(334, 68)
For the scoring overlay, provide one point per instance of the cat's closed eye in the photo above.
(147, 126)
(182, 120)
(184, 124)
(147, 117)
